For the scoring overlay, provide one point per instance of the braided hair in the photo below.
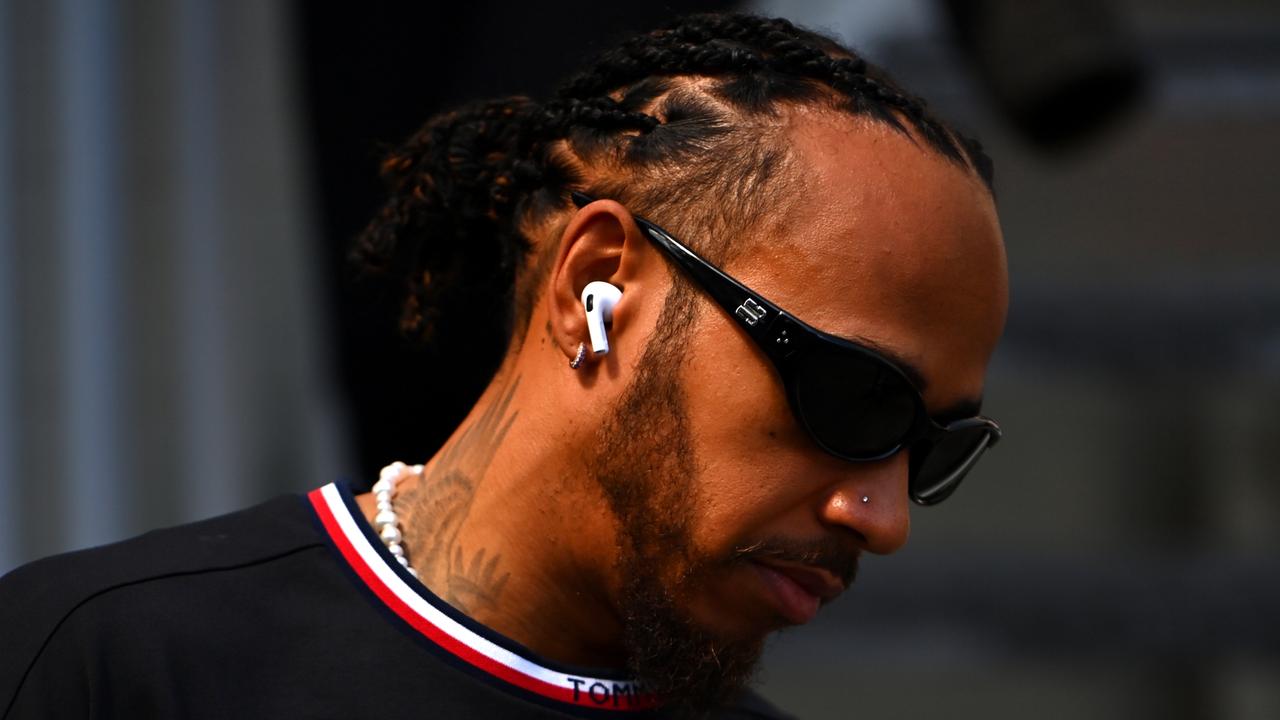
(683, 123)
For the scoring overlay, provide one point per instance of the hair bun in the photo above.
(454, 187)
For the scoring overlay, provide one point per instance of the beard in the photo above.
(647, 470)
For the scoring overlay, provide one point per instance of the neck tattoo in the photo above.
(386, 522)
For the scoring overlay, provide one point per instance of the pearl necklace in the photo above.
(386, 522)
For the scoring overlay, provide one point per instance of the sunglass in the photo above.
(855, 403)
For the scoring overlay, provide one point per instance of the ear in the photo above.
(601, 242)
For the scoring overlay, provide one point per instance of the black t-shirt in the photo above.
(291, 609)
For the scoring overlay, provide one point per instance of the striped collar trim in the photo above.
(463, 638)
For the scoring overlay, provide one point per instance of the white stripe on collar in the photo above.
(414, 603)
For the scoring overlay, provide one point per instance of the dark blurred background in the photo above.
(180, 335)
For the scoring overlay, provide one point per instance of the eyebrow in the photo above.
(963, 408)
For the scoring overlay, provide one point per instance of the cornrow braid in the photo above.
(602, 113)
(456, 190)
(641, 55)
(683, 123)
(764, 51)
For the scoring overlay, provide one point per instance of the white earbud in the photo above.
(599, 297)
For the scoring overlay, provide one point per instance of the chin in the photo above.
(697, 645)
(734, 608)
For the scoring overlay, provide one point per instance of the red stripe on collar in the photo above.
(419, 608)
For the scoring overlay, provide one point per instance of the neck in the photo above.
(495, 526)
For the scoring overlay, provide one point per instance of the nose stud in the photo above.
(866, 499)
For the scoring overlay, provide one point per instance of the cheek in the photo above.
(748, 446)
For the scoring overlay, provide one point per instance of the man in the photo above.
(803, 280)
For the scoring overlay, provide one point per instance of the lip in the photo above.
(797, 590)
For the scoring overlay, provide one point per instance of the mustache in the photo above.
(830, 553)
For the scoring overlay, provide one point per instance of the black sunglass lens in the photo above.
(853, 404)
(937, 468)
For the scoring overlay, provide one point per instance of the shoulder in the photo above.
(38, 598)
(248, 536)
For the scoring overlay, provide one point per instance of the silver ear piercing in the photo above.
(582, 353)
(866, 499)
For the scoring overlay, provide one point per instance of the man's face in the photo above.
(718, 490)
